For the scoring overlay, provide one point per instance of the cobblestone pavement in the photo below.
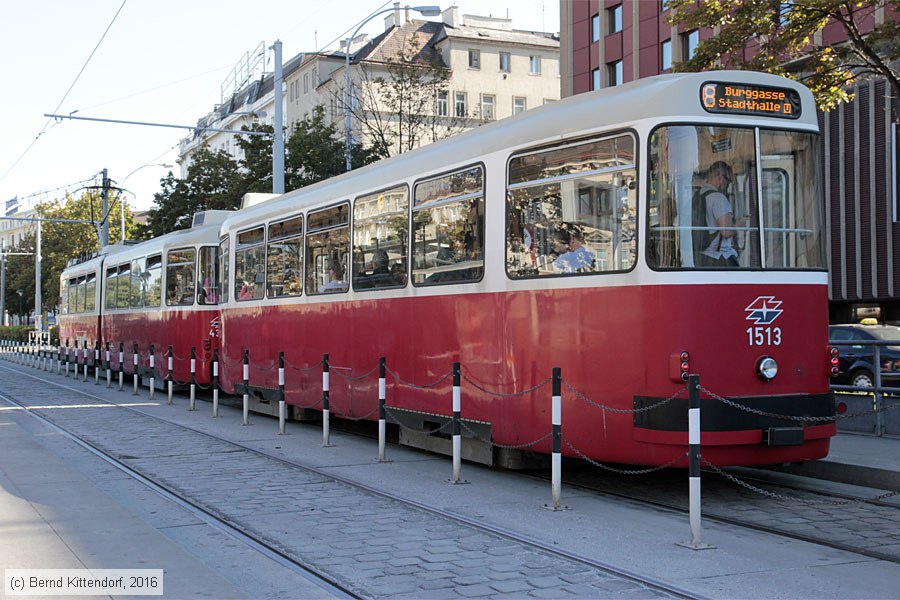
(869, 526)
(374, 545)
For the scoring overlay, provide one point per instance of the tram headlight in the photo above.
(766, 368)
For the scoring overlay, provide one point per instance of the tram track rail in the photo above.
(308, 572)
(714, 502)
(656, 584)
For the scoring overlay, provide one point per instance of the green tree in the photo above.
(257, 161)
(782, 34)
(214, 182)
(59, 243)
(315, 151)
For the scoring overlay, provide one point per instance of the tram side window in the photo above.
(64, 297)
(448, 228)
(250, 265)
(223, 280)
(79, 295)
(152, 278)
(327, 250)
(123, 286)
(138, 284)
(208, 276)
(112, 275)
(380, 237)
(90, 292)
(73, 295)
(180, 269)
(573, 209)
(284, 258)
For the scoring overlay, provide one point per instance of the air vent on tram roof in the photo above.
(210, 217)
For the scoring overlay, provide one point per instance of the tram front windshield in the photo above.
(721, 198)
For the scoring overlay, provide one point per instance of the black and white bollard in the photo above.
(694, 463)
(169, 377)
(108, 368)
(84, 355)
(67, 357)
(556, 434)
(97, 362)
(246, 386)
(457, 431)
(193, 378)
(152, 373)
(326, 432)
(121, 365)
(135, 372)
(282, 409)
(382, 416)
(215, 383)
(59, 356)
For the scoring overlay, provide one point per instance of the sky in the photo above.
(155, 61)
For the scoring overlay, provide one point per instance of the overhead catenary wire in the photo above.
(66, 95)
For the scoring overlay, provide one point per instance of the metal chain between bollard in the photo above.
(399, 422)
(623, 471)
(400, 381)
(315, 367)
(350, 378)
(349, 418)
(603, 407)
(786, 498)
(763, 413)
(505, 395)
(505, 446)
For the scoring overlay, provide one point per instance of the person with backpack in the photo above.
(716, 243)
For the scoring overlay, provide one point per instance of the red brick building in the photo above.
(610, 42)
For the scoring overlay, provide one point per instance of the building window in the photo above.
(666, 55)
(615, 73)
(487, 107)
(519, 105)
(504, 62)
(306, 83)
(443, 104)
(534, 65)
(615, 18)
(474, 58)
(595, 28)
(595, 79)
(462, 108)
(689, 43)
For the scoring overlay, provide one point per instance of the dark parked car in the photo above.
(858, 359)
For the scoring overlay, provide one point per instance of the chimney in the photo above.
(451, 16)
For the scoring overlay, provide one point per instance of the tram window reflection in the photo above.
(222, 279)
(112, 275)
(123, 287)
(152, 277)
(138, 284)
(380, 237)
(284, 258)
(180, 267)
(90, 292)
(448, 228)
(328, 250)
(249, 265)
(207, 276)
(572, 210)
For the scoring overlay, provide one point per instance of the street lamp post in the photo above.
(20, 292)
(425, 11)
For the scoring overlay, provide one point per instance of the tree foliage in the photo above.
(779, 37)
(395, 106)
(214, 182)
(59, 243)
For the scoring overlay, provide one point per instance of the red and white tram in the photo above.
(628, 236)
(162, 292)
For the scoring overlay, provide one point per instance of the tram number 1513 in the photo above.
(764, 336)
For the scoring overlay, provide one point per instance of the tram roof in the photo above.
(665, 98)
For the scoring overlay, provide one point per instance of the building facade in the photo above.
(610, 42)
(493, 71)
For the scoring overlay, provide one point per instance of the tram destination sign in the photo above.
(750, 99)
